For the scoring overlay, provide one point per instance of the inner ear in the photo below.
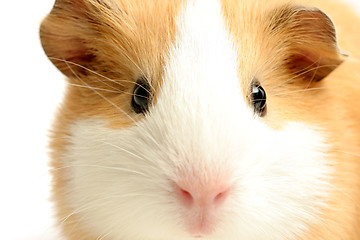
(311, 64)
(310, 43)
(65, 36)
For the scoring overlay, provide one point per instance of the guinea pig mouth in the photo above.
(198, 236)
(201, 226)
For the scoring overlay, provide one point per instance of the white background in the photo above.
(30, 89)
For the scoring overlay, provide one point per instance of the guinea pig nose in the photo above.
(203, 196)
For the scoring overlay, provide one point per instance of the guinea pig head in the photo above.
(188, 119)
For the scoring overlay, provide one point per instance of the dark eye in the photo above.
(141, 95)
(258, 99)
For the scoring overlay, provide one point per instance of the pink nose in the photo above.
(203, 196)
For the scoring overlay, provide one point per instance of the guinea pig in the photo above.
(211, 119)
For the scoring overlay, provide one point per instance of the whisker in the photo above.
(300, 74)
(127, 151)
(102, 76)
(123, 149)
(104, 201)
(103, 236)
(263, 64)
(89, 205)
(301, 90)
(132, 61)
(101, 166)
(87, 69)
(313, 76)
(76, 211)
(106, 99)
(96, 88)
(102, 89)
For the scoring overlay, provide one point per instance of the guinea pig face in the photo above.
(212, 149)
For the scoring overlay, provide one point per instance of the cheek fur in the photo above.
(119, 179)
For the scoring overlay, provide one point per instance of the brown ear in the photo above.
(65, 36)
(310, 42)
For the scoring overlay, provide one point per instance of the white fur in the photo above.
(121, 181)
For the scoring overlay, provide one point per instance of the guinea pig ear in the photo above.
(65, 36)
(309, 39)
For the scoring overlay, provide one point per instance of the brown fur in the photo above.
(124, 39)
(330, 103)
(128, 29)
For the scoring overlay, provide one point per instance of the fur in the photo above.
(293, 174)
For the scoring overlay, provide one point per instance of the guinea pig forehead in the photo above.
(134, 35)
(202, 61)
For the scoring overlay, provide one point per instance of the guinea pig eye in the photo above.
(258, 99)
(140, 98)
